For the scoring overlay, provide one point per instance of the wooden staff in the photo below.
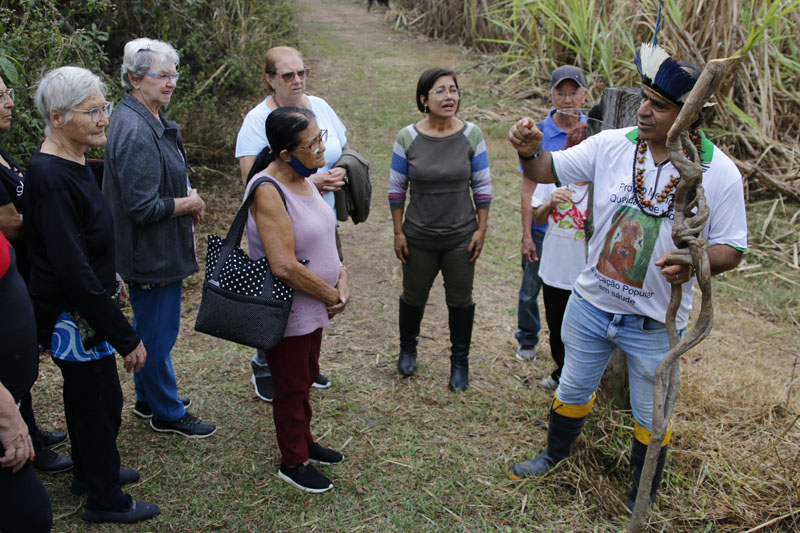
(687, 233)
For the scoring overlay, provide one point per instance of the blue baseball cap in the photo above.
(567, 72)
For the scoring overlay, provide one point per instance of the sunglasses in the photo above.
(288, 77)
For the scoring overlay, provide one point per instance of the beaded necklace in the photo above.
(646, 204)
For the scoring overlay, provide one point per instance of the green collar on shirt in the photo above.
(705, 145)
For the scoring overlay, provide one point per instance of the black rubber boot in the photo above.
(409, 321)
(638, 453)
(562, 432)
(461, 319)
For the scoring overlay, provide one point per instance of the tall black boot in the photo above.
(638, 453)
(562, 432)
(409, 321)
(460, 319)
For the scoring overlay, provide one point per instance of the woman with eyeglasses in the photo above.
(75, 289)
(146, 183)
(285, 76)
(302, 228)
(443, 159)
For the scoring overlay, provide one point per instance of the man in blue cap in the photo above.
(567, 92)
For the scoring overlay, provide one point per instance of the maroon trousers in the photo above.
(294, 364)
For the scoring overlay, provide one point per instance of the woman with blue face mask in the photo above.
(285, 76)
(285, 231)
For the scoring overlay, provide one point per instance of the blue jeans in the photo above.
(590, 336)
(157, 319)
(528, 321)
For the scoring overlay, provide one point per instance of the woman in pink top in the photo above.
(302, 230)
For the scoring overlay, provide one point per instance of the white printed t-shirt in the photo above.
(563, 249)
(252, 136)
(621, 276)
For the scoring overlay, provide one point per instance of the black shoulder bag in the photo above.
(242, 301)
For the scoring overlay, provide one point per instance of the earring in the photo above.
(426, 108)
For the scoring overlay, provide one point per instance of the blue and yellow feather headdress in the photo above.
(663, 74)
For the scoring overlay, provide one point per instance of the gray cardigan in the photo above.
(145, 169)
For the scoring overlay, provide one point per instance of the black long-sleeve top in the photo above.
(69, 232)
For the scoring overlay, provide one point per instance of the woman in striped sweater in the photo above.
(443, 159)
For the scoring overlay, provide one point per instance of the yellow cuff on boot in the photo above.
(643, 435)
(572, 411)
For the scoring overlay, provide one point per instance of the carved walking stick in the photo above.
(687, 233)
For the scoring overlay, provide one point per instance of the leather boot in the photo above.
(409, 321)
(638, 453)
(461, 319)
(562, 432)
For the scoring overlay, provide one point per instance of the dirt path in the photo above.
(368, 73)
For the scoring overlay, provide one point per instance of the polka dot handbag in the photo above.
(242, 301)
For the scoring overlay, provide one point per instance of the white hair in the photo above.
(63, 88)
(141, 54)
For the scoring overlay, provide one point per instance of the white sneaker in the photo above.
(526, 354)
(548, 383)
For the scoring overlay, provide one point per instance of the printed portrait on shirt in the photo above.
(628, 246)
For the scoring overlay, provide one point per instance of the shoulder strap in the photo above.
(237, 227)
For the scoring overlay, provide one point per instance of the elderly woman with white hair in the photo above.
(75, 290)
(154, 207)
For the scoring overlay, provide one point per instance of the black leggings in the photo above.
(555, 303)
(93, 408)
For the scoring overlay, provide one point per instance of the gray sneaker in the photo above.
(526, 353)
(189, 426)
(548, 383)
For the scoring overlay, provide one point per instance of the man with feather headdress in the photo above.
(621, 297)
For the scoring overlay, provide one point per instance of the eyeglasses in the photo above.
(288, 77)
(96, 114)
(563, 96)
(164, 77)
(8, 93)
(441, 92)
(317, 143)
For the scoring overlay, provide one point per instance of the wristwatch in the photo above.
(530, 157)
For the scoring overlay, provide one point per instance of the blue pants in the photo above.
(590, 336)
(528, 321)
(157, 318)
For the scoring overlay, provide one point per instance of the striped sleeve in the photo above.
(481, 181)
(398, 174)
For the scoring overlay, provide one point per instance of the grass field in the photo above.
(418, 456)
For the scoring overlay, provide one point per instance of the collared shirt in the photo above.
(621, 276)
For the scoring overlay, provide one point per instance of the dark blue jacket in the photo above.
(145, 169)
